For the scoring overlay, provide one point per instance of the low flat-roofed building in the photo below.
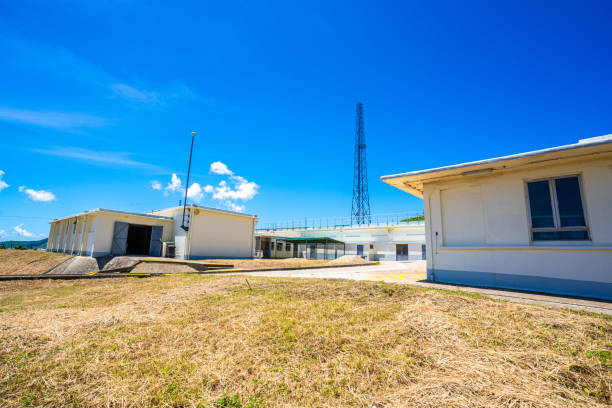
(383, 239)
(209, 233)
(540, 220)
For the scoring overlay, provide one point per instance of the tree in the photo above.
(2, 246)
(20, 247)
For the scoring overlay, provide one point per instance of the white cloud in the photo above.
(175, 184)
(133, 94)
(220, 168)
(228, 192)
(243, 190)
(19, 230)
(195, 192)
(60, 65)
(3, 233)
(57, 120)
(3, 184)
(234, 206)
(38, 195)
(99, 158)
(156, 185)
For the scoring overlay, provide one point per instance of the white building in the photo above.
(210, 233)
(538, 221)
(378, 241)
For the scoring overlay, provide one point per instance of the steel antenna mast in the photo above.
(183, 226)
(360, 211)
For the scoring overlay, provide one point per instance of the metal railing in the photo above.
(407, 218)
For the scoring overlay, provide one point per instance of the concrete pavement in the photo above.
(414, 273)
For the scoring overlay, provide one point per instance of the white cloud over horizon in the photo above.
(3, 183)
(38, 195)
(19, 230)
(156, 185)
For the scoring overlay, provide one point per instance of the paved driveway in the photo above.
(414, 273)
(386, 271)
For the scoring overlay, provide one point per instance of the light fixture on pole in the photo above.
(183, 226)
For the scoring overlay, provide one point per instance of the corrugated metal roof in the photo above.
(117, 212)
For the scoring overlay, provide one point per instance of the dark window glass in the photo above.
(540, 205)
(560, 235)
(569, 201)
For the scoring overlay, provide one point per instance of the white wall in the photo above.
(382, 237)
(106, 225)
(218, 235)
(478, 232)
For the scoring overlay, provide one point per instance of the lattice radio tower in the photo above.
(360, 211)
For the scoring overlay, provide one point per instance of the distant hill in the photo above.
(28, 244)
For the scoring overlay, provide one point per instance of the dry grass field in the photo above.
(223, 341)
(28, 262)
(276, 263)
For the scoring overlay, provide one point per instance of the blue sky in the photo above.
(98, 99)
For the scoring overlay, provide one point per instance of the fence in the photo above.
(407, 218)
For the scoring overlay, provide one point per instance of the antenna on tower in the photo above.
(360, 211)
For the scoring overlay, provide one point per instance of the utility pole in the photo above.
(183, 226)
(360, 210)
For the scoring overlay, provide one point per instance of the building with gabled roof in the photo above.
(208, 233)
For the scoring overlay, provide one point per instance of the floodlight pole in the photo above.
(183, 226)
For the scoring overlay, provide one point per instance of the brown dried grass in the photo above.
(272, 263)
(184, 341)
(28, 262)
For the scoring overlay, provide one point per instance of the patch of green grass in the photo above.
(28, 400)
(604, 316)
(234, 401)
(603, 355)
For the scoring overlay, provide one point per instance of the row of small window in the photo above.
(556, 210)
(279, 246)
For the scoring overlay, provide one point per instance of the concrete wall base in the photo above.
(591, 289)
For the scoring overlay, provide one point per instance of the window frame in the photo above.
(555, 210)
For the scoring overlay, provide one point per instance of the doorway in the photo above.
(138, 239)
(360, 250)
(401, 252)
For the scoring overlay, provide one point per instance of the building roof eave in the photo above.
(412, 182)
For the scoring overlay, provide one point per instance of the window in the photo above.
(287, 246)
(279, 246)
(556, 210)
